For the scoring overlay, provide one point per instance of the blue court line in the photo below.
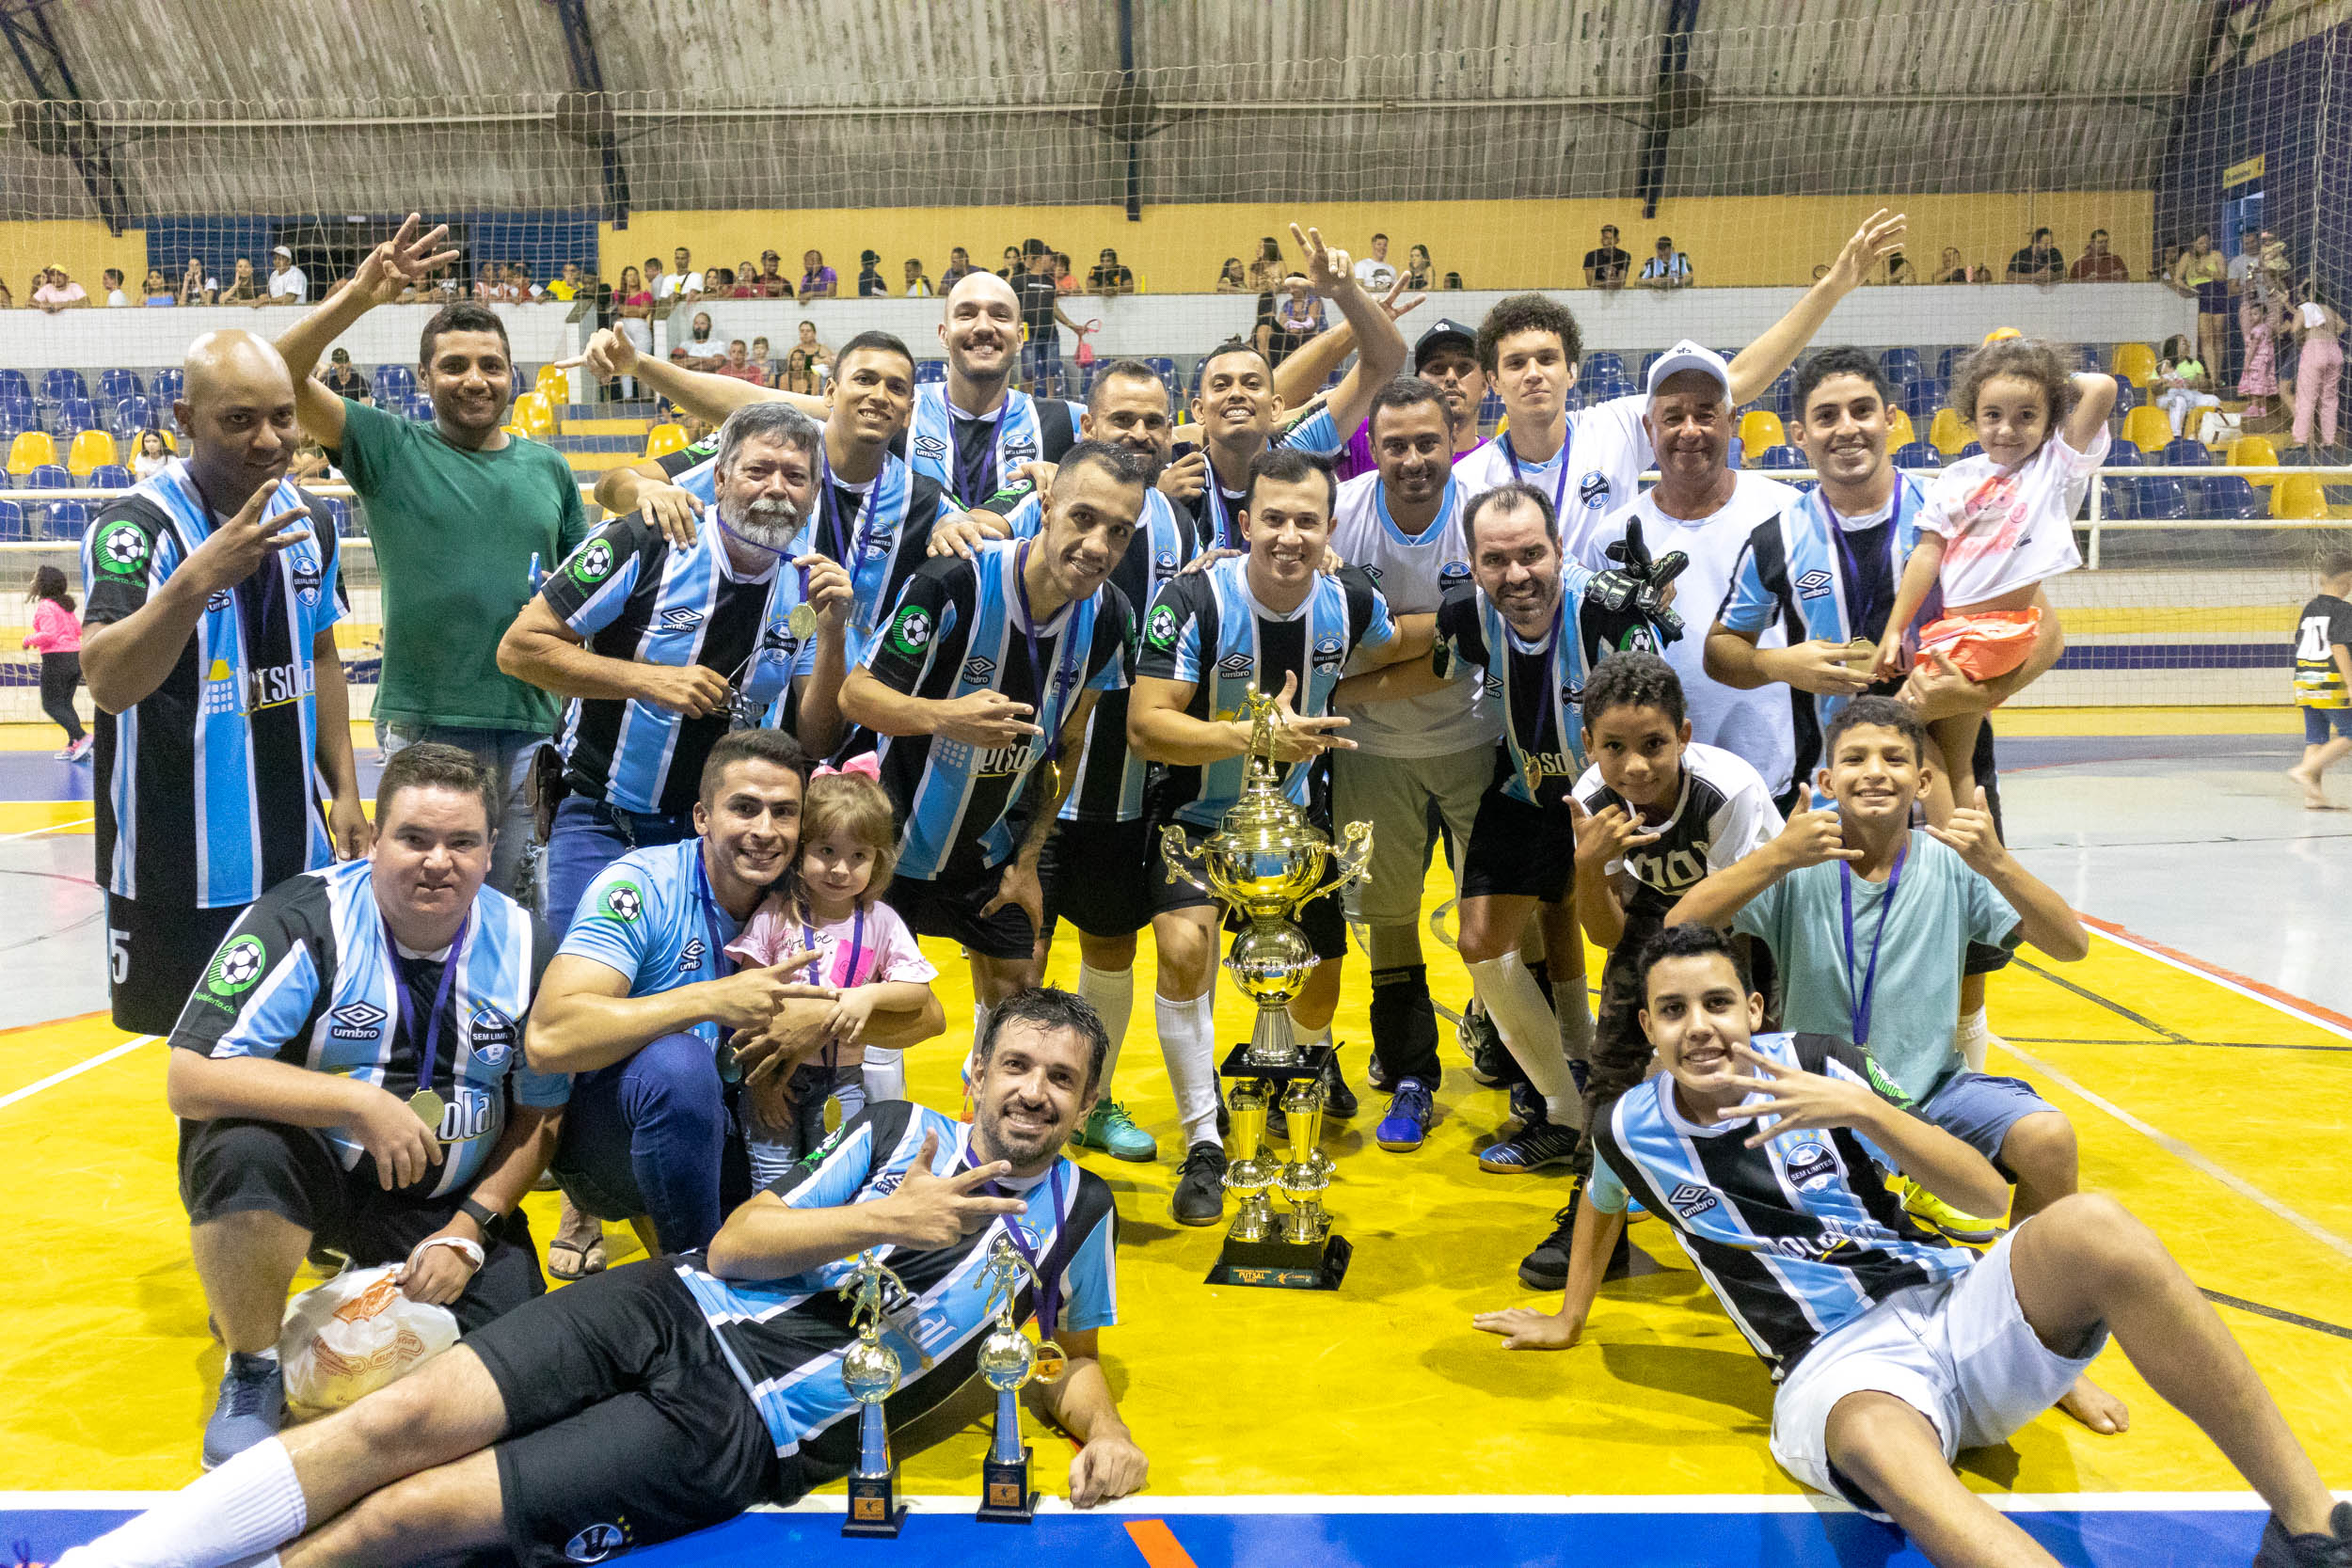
(941, 1533)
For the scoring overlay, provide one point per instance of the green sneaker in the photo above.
(1109, 1128)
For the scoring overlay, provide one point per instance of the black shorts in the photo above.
(950, 906)
(1324, 920)
(235, 1166)
(625, 1424)
(155, 954)
(1098, 877)
(1518, 850)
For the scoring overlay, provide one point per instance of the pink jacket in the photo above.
(54, 629)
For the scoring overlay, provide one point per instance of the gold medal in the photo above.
(1533, 766)
(429, 1108)
(1050, 1362)
(802, 621)
(1862, 651)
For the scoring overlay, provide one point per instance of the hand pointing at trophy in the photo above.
(1297, 737)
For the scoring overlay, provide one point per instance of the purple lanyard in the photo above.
(1037, 671)
(720, 965)
(857, 946)
(1858, 622)
(968, 475)
(1863, 993)
(836, 531)
(440, 996)
(1048, 1284)
(1559, 486)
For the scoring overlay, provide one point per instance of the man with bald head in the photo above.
(973, 430)
(211, 655)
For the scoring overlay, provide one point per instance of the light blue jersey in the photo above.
(651, 915)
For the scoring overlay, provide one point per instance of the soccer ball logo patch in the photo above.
(238, 966)
(123, 548)
(593, 562)
(624, 902)
(913, 630)
(1163, 626)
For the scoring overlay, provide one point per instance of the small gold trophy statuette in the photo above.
(869, 1370)
(1007, 1361)
(1263, 863)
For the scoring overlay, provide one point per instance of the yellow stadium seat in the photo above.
(30, 451)
(1899, 430)
(2147, 428)
(535, 415)
(2134, 362)
(91, 449)
(2298, 495)
(2254, 452)
(553, 385)
(663, 439)
(1760, 432)
(1948, 434)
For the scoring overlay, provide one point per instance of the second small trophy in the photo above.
(869, 1370)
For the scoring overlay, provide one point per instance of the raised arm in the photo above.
(2048, 922)
(2093, 402)
(770, 1239)
(585, 1018)
(1760, 363)
(1379, 346)
(609, 355)
(1795, 1100)
(403, 259)
(539, 648)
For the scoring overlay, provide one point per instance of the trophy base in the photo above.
(1279, 1265)
(875, 1509)
(1004, 1495)
(1312, 1062)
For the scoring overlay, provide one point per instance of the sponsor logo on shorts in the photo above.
(236, 966)
(1691, 1200)
(1813, 584)
(596, 1542)
(357, 1021)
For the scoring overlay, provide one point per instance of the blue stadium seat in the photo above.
(119, 383)
(16, 418)
(1918, 454)
(1490, 410)
(109, 476)
(61, 384)
(131, 416)
(164, 387)
(1605, 388)
(419, 408)
(1598, 365)
(1901, 365)
(2089, 357)
(14, 385)
(1922, 398)
(1973, 449)
(2123, 454)
(338, 510)
(1781, 397)
(1647, 360)
(66, 519)
(49, 476)
(393, 382)
(2229, 497)
(13, 523)
(929, 371)
(1782, 458)
(1162, 366)
(2127, 397)
(2185, 452)
(76, 414)
(2120, 500)
(1947, 360)
(2161, 497)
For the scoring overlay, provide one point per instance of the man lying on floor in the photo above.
(1894, 1351)
(654, 1399)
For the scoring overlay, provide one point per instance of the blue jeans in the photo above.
(653, 1136)
(590, 835)
(507, 754)
(1040, 362)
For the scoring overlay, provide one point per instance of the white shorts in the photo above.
(1959, 1352)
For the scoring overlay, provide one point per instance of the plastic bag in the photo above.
(355, 1334)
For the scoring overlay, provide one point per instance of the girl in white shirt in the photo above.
(1995, 527)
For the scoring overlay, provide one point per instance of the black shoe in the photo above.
(1339, 1101)
(1527, 1106)
(1376, 1076)
(1199, 1186)
(1547, 1267)
(1490, 1060)
(2333, 1550)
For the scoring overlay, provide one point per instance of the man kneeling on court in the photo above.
(662, 1397)
(343, 1074)
(1894, 1351)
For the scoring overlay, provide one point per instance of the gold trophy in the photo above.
(1007, 1361)
(1264, 860)
(869, 1370)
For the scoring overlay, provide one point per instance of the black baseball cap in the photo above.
(1445, 333)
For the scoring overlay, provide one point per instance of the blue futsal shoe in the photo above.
(251, 1408)
(1538, 1145)
(1406, 1124)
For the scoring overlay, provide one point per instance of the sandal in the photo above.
(568, 1260)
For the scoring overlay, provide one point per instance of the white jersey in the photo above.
(2007, 529)
(1756, 724)
(1412, 571)
(1597, 469)
(1722, 815)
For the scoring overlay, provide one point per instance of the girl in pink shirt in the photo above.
(57, 636)
(832, 904)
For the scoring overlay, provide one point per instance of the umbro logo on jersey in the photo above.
(1238, 664)
(1691, 1200)
(690, 958)
(1493, 685)
(1571, 694)
(218, 602)
(930, 446)
(1813, 584)
(976, 670)
(681, 618)
(357, 1021)
(1371, 571)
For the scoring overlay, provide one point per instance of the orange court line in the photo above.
(2283, 998)
(1159, 1544)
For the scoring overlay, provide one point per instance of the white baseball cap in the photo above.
(1688, 356)
(282, 250)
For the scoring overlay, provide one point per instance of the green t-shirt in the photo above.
(1940, 909)
(457, 536)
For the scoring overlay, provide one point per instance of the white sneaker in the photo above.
(80, 749)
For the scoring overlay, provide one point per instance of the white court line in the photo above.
(2182, 1151)
(2225, 983)
(52, 828)
(74, 1072)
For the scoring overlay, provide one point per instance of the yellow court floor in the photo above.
(2216, 1117)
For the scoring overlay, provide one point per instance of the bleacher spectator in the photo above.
(111, 280)
(2097, 263)
(807, 363)
(2037, 261)
(1667, 268)
(772, 284)
(196, 286)
(654, 278)
(739, 365)
(566, 287)
(1372, 274)
(2204, 275)
(1416, 273)
(918, 286)
(870, 278)
(1266, 272)
(1013, 266)
(489, 283)
(2265, 319)
(2321, 330)
(57, 636)
(817, 281)
(519, 272)
(1898, 270)
(58, 291)
(1951, 270)
(8, 300)
(681, 281)
(1041, 314)
(1452, 280)
(699, 351)
(1231, 280)
(1065, 281)
(157, 289)
(761, 357)
(1297, 316)
(1109, 277)
(958, 268)
(2185, 380)
(344, 381)
(288, 284)
(1606, 263)
(243, 289)
(743, 282)
(152, 457)
(633, 317)
(1979, 274)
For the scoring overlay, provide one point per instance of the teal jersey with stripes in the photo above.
(651, 916)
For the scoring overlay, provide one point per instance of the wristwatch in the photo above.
(480, 1214)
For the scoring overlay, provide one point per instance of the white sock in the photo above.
(1188, 1043)
(885, 1075)
(1516, 1005)
(1110, 993)
(1572, 1005)
(252, 1505)
(1973, 1038)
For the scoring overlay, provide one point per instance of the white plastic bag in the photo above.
(355, 1334)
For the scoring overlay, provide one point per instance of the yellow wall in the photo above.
(1730, 240)
(84, 249)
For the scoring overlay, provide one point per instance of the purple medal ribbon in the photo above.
(1049, 1285)
(1864, 993)
(441, 1003)
(1037, 671)
(1559, 486)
